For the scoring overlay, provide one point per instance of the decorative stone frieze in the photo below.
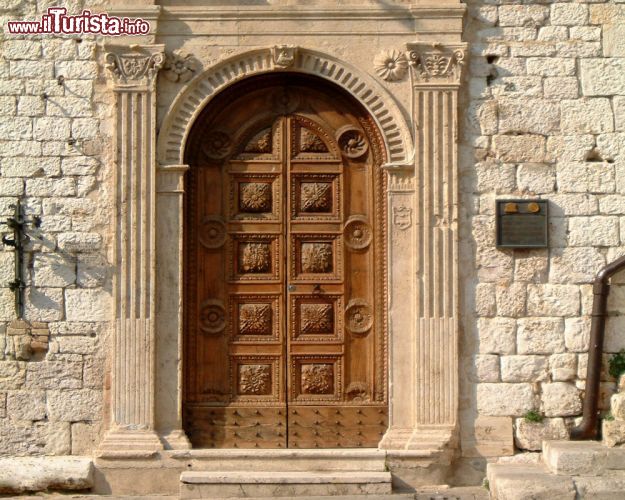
(132, 404)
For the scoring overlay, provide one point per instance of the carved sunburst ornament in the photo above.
(179, 68)
(255, 319)
(255, 258)
(391, 65)
(316, 196)
(255, 379)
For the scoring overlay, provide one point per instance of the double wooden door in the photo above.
(284, 326)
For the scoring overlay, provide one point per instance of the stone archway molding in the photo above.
(199, 91)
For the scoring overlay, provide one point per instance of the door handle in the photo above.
(317, 288)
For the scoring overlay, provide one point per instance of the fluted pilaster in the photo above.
(133, 358)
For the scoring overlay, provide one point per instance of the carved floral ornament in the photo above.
(179, 68)
(131, 67)
(430, 62)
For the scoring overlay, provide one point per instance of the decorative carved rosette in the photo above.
(212, 232)
(317, 379)
(212, 316)
(317, 257)
(358, 316)
(357, 233)
(179, 68)
(391, 65)
(442, 64)
(134, 68)
(255, 379)
(352, 141)
(217, 145)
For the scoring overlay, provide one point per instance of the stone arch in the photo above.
(194, 97)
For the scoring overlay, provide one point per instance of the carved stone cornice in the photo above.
(434, 64)
(135, 65)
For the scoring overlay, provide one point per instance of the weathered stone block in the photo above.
(87, 304)
(519, 148)
(530, 435)
(79, 242)
(483, 436)
(551, 66)
(54, 375)
(26, 405)
(44, 304)
(560, 399)
(21, 49)
(563, 367)
(80, 165)
(522, 15)
(511, 300)
(496, 335)
(495, 177)
(531, 267)
(561, 87)
(69, 107)
(569, 14)
(563, 148)
(31, 106)
(505, 399)
(553, 300)
(15, 128)
(599, 231)
(533, 116)
(74, 405)
(59, 49)
(536, 178)
(575, 265)
(85, 437)
(593, 177)
(540, 336)
(12, 375)
(485, 302)
(47, 128)
(31, 69)
(87, 70)
(586, 116)
(30, 167)
(613, 432)
(524, 368)
(617, 405)
(603, 77)
(485, 368)
(51, 187)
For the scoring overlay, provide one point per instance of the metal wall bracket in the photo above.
(18, 225)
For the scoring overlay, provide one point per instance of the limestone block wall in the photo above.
(55, 155)
(544, 118)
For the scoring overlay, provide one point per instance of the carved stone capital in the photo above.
(135, 65)
(437, 64)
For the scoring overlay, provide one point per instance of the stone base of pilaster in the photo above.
(425, 438)
(129, 443)
(175, 440)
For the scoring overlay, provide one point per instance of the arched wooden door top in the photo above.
(285, 327)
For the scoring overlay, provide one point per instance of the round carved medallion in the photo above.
(357, 233)
(212, 317)
(352, 141)
(358, 316)
(212, 232)
(217, 145)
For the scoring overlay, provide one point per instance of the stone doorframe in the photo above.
(422, 245)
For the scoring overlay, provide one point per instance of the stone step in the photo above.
(33, 474)
(520, 482)
(575, 458)
(240, 484)
(610, 487)
(268, 460)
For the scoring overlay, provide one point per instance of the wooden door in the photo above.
(284, 319)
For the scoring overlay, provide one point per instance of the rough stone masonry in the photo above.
(543, 115)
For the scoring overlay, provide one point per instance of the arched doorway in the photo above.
(285, 223)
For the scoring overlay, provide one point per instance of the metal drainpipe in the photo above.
(588, 428)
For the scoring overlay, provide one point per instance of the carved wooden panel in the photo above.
(285, 288)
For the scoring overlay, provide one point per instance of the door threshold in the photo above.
(212, 453)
